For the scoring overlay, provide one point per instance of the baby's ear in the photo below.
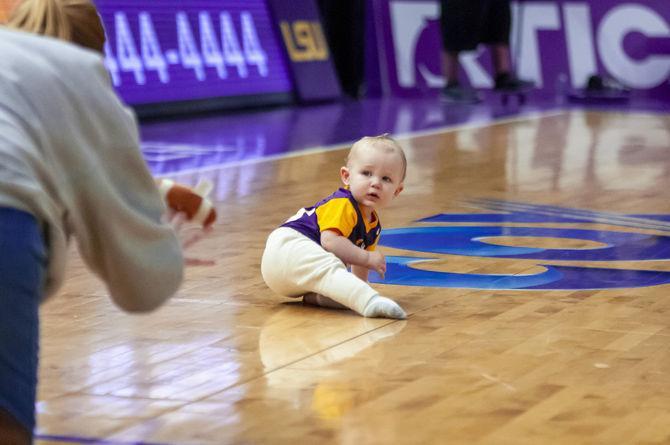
(344, 175)
(400, 188)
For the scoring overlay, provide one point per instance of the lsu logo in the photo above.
(304, 41)
(602, 247)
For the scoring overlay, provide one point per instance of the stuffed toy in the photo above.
(192, 201)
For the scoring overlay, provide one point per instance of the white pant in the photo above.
(293, 265)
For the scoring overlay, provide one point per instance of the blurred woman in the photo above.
(70, 166)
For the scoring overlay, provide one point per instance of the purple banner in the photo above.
(559, 42)
(179, 50)
(308, 53)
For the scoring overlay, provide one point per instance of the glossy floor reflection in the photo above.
(228, 362)
(204, 143)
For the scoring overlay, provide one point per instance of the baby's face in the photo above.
(374, 176)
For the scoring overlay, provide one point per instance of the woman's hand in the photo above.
(188, 236)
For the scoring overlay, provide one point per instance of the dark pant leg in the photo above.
(461, 22)
(22, 265)
(496, 22)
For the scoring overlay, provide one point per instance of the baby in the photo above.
(308, 255)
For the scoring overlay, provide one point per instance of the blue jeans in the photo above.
(22, 266)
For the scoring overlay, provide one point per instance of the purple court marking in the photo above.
(91, 440)
(567, 214)
(401, 272)
(472, 240)
(521, 217)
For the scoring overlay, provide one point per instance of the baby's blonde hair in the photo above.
(383, 140)
(75, 21)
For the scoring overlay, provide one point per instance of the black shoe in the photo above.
(507, 82)
(454, 93)
(599, 84)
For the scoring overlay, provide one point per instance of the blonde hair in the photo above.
(385, 141)
(75, 21)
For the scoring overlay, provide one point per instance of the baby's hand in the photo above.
(377, 262)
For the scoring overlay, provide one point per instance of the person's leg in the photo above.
(377, 307)
(22, 264)
(321, 300)
(294, 265)
(455, 37)
(495, 32)
(344, 27)
(505, 79)
(274, 263)
(501, 59)
(453, 91)
(495, 23)
(458, 21)
(450, 66)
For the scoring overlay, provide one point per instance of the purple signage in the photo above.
(553, 41)
(178, 50)
(308, 53)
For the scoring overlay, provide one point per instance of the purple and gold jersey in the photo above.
(339, 212)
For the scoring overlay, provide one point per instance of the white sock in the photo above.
(382, 307)
(320, 300)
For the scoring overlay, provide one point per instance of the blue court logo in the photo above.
(437, 236)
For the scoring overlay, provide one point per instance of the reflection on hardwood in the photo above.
(228, 362)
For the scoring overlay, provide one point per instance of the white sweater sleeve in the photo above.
(116, 208)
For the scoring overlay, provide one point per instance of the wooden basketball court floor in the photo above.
(228, 362)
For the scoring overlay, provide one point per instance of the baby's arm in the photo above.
(345, 250)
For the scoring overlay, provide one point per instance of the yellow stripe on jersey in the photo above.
(338, 214)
